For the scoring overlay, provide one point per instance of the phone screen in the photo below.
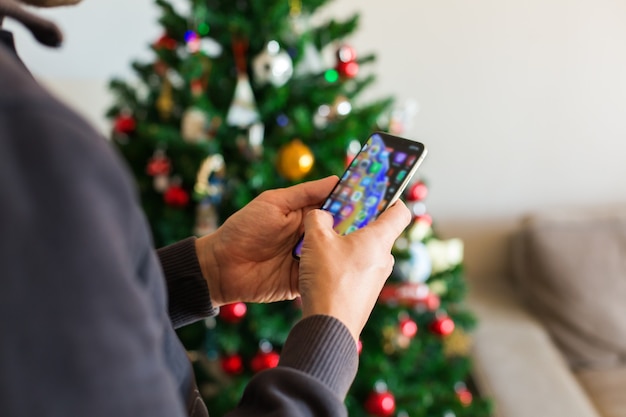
(374, 179)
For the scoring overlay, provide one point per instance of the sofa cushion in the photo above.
(606, 389)
(570, 268)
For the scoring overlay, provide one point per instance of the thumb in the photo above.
(390, 224)
(318, 221)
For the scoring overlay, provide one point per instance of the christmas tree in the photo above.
(242, 97)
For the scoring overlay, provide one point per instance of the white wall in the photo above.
(523, 102)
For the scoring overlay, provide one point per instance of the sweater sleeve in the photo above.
(317, 366)
(189, 298)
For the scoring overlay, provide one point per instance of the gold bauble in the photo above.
(295, 160)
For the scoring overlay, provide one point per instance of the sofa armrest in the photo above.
(515, 362)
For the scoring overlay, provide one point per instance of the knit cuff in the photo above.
(322, 347)
(189, 298)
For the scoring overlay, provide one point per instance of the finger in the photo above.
(318, 220)
(391, 222)
(308, 194)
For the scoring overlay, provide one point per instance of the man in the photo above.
(88, 309)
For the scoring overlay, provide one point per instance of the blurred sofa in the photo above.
(551, 339)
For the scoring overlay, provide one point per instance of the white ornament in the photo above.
(194, 126)
(242, 112)
(418, 267)
(272, 65)
(445, 254)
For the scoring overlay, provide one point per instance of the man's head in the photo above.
(49, 3)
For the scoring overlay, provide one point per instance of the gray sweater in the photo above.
(88, 308)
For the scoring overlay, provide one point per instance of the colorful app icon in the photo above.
(335, 207)
(401, 176)
(364, 164)
(344, 193)
(399, 157)
(375, 168)
(365, 182)
(356, 196)
(356, 176)
(361, 216)
(371, 201)
(347, 211)
(411, 160)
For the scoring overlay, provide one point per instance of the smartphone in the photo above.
(373, 181)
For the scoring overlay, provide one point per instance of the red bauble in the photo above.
(159, 165)
(176, 196)
(233, 313)
(381, 404)
(465, 397)
(124, 124)
(417, 192)
(408, 328)
(232, 364)
(165, 42)
(264, 360)
(442, 326)
(348, 69)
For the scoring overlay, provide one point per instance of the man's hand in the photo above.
(342, 276)
(249, 257)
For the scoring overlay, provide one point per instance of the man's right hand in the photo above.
(342, 276)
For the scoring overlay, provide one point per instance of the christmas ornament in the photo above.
(347, 66)
(341, 107)
(242, 112)
(417, 192)
(161, 183)
(408, 327)
(232, 364)
(165, 42)
(420, 229)
(192, 39)
(233, 313)
(165, 101)
(295, 160)
(405, 295)
(251, 146)
(272, 65)
(322, 117)
(463, 394)
(176, 196)
(442, 325)
(445, 254)
(210, 179)
(458, 343)
(418, 267)
(380, 404)
(159, 164)
(210, 47)
(194, 125)
(264, 360)
(124, 124)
